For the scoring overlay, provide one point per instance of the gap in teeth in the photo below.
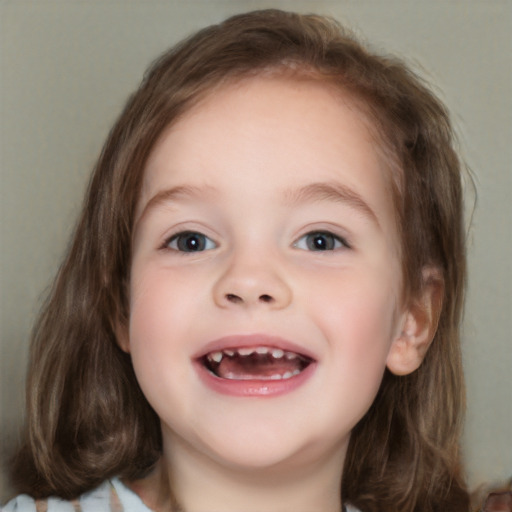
(276, 353)
(252, 356)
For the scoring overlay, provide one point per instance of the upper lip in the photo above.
(235, 341)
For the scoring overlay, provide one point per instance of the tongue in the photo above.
(255, 367)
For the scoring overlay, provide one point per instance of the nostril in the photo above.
(237, 299)
(231, 297)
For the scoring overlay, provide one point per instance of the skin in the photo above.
(243, 154)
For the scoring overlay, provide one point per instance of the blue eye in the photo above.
(190, 241)
(320, 241)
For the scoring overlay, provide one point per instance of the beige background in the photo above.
(66, 68)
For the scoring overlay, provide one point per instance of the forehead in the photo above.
(271, 133)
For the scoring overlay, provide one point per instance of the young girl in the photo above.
(260, 307)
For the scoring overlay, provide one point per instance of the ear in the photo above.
(122, 335)
(419, 325)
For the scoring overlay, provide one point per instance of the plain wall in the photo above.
(66, 69)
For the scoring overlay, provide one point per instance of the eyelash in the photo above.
(203, 242)
(326, 241)
(193, 241)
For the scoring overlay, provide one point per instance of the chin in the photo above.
(251, 450)
(255, 458)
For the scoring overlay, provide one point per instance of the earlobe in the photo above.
(419, 325)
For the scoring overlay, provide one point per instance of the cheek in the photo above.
(160, 298)
(359, 317)
(149, 300)
(157, 339)
(155, 313)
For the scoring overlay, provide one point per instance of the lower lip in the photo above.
(269, 388)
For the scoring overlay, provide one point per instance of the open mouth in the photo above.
(255, 363)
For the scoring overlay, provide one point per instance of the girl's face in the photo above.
(265, 282)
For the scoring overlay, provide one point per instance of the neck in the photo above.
(199, 484)
(193, 484)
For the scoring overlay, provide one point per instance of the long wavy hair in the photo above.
(86, 417)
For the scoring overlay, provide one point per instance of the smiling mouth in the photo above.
(255, 363)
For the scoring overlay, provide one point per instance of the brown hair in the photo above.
(87, 419)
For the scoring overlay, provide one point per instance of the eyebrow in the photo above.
(314, 192)
(174, 194)
(331, 191)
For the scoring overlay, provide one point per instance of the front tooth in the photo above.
(262, 350)
(277, 353)
(216, 356)
(245, 351)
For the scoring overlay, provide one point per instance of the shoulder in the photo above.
(350, 508)
(25, 503)
(111, 496)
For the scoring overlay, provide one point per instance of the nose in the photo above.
(252, 282)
